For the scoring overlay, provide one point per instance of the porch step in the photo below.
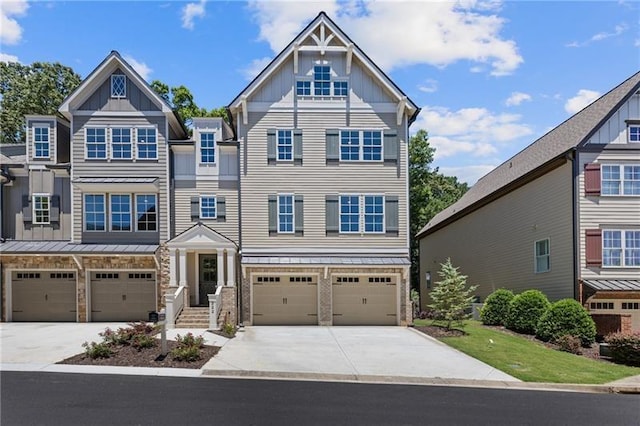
(193, 317)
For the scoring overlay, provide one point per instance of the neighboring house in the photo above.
(295, 214)
(561, 216)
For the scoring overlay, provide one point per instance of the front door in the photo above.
(208, 277)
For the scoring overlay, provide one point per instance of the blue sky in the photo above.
(490, 76)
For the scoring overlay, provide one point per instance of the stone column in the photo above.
(182, 254)
(220, 268)
(173, 266)
(231, 267)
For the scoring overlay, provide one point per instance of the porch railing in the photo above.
(174, 303)
(215, 305)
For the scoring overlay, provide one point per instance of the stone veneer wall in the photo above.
(229, 308)
(164, 275)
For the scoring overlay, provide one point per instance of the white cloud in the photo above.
(397, 34)
(10, 30)
(603, 35)
(474, 131)
(581, 100)
(8, 58)
(429, 86)
(255, 67)
(468, 174)
(517, 98)
(141, 68)
(192, 11)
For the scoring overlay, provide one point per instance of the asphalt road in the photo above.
(29, 398)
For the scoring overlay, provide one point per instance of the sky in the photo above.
(491, 76)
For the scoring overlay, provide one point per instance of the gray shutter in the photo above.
(195, 208)
(332, 218)
(273, 214)
(391, 214)
(26, 209)
(54, 209)
(271, 146)
(333, 145)
(299, 214)
(297, 146)
(221, 209)
(391, 146)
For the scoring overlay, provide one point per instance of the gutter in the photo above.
(575, 171)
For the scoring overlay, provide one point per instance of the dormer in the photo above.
(48, 139)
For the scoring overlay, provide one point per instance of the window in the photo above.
(41, 142)
(322, 80)
(207, 148)
(427, 278)
(349, 213)
(373, 213)
(620, 179)
(621, 248)
(632, 248)
(94, 212)
(121, 143)
(303, 88)
(285, 145)
(96, 142)
(634, 134)
(361, 145)
(41, 210)
(120, 212)
(340, 88)
(542, 256)
(322, 84)
(601, 305)
(147, 216)
(147, 144)
(631, 305)
(285, 214)
(118, 86)
(207, 207)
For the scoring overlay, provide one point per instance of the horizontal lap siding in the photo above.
(494, 245)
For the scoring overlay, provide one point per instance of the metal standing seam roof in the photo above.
(613, 285)
(558, 141)
(323, 260)
(116, 180)
(66, 247)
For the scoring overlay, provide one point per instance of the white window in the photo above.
(621, 248)
(147, 144)
(322, 84)
(601, 305)
(41, 209)
(361, 213)
(121, 147)
(542, 256)
(207, 207)
(146, 212)
(96, 142)
(285, 214)
(360, 145)
(120, 212)
(94, 212)
(634, 133)
(349, 213)
(285, 145)
(619, 179)
(207, 148)
(41, 142)
(118, 86)
(373, 213)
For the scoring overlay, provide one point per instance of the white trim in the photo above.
(33, 207)
(361, 144)
(293, 213)
(88, 113)
(112, 78)
(215, 206)
(33, 140)
(168, 191)
(111, 212)
(73, 212)
(282, 160)
(131, 139)
(106, 143)
(535, 256)
(384, 212)
(157, 212)
(319, 105)
(84, 212)
(340, 231)
(334, 251)
(621, 181)
(629, 133)
(157, 144)
(623, 248)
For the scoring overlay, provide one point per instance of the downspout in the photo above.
(574, 158)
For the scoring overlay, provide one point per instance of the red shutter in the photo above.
(592, 179)
(594, 247)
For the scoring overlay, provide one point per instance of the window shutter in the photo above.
(593, 247)
(297, 145)
(271, 146)
(391, 214)
(391, 146)
(299, 214)
(195, 208)
(333, 145)
(273, 214)
(221, 209)
(592, 179)
(332, 218)
(54, 210)
(26, 209)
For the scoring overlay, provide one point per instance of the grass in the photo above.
(530, 361)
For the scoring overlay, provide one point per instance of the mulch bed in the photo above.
(127, 356)
(438, 332)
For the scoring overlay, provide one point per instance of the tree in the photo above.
(450, 297)
(429, 193)
(38, 88)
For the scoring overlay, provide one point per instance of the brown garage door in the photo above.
(122, 295)
(364, 300)
(43, 296)
(285, 300)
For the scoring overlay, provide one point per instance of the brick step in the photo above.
(193, 317)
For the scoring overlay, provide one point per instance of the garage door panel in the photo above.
(43, 296)
(364, 302)
(285, 303)
(122, 296)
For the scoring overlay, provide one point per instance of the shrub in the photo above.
(625, 347)
(495, 308)
(97, 350)
(229, 329)
(189, 340)
(143, 341)
(525, 310)
(569, 343)
(567, 316)
(186, 353)
(142, 327)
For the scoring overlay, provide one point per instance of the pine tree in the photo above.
(451, 298)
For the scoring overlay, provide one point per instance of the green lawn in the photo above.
(531, 361)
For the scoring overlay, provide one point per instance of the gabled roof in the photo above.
(323, 20)
(112, 62)
(201, 236)
(570, 134)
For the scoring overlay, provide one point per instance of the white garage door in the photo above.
(43, 296)
(285, 300)
(364, 300)
(122, 295)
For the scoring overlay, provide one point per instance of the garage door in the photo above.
(285, 300)
(364, 300)
(43, 296)
(122, 295)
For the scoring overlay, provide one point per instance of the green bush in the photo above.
(567, 316)
(625, 347)
(186, 353)
(525, 310)
(495, 308)
(189, 340)
(569, 343)
(97, 350)
(143, 341)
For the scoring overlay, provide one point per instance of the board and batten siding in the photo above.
(494, 245)
(606, 212)
(135, 99)
(83, 168)
(614, 130)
